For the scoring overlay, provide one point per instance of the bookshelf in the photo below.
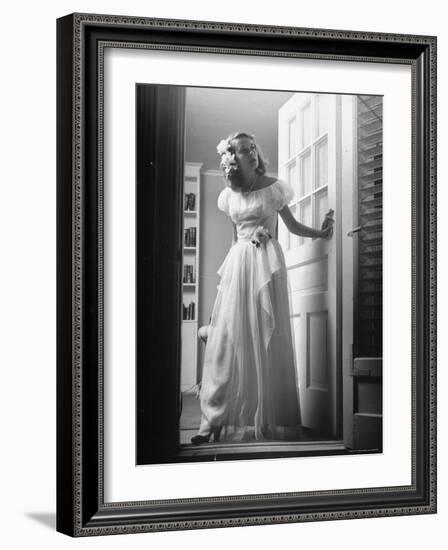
(190, 272)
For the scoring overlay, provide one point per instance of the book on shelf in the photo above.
(189, 275)
(190, 237)
(188, 312)
(189, 201)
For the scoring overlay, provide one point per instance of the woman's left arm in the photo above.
(302, 230)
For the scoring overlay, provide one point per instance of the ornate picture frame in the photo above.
(81, 506)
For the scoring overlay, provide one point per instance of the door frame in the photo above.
(349, 217)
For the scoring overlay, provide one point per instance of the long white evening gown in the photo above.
(249, 381)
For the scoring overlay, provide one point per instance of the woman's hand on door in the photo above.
(326, 230)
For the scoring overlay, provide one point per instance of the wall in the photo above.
(216, 239)
(212, 114)
(28, 325)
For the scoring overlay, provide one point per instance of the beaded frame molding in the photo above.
(81, 509)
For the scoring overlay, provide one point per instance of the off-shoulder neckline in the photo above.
(254, 190)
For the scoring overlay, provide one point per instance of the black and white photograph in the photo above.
(281, 275)
(246, 275)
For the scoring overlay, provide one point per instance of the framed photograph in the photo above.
(246, 274)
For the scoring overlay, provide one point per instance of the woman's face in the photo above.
(246, 154)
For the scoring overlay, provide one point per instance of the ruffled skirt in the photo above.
(249, 381)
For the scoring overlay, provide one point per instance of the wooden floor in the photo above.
(191, 415)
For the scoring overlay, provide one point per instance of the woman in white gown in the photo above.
(249, 389)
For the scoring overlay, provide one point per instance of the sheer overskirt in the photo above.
(249, 382)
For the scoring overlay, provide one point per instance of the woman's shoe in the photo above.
(199, 439)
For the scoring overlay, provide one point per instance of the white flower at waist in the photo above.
(260, 236)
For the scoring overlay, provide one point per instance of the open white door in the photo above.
(309, 159)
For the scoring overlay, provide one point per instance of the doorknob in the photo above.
(354, 230)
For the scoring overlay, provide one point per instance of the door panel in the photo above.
(316, 350)
(310, 165)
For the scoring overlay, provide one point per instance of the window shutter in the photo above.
(370, 218)
(368, 311)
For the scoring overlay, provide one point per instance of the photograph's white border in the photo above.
(123, 480)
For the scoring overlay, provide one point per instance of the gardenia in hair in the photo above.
(228, 159)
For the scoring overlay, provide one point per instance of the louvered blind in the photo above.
(368, 340)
